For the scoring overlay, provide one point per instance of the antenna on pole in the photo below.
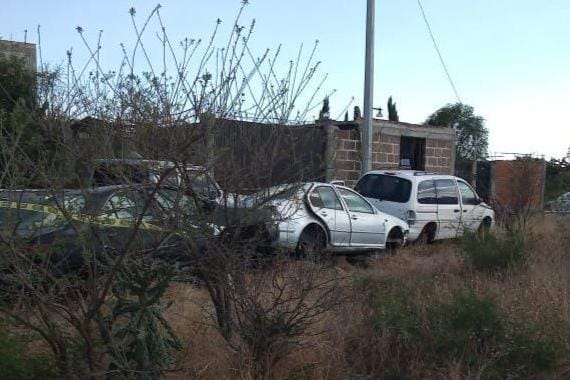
(367, 127)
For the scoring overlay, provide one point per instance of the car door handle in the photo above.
(456, 210)
(354, 217)
(323, 213)
(464, 210)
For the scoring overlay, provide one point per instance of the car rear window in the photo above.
(384, 187)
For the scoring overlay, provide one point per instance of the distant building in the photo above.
(23, 50)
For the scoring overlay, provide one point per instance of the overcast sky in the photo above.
(509, 59)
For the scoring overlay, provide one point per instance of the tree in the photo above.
(392, 111)
(472, 135)
(357, 113)
(557, 180)
(325, 111)
(17, 83)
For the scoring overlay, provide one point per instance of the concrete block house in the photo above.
(396, 145)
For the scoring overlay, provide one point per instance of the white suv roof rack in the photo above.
(424, 173)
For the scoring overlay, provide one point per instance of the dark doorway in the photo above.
(412, 153)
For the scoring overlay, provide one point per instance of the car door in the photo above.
(325, 203)
(174, 213)
(471, 211)
(117, 219)
(448, 208)
(366, 228)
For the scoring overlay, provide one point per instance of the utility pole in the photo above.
(367, 126)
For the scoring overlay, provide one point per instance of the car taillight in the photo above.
(411, 217)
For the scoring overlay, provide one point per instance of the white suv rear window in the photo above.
(384, 187)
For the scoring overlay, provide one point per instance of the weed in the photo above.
(16, 363)
(417, 327)
(493, 251)
(467, 324)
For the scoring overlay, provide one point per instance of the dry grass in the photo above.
(351, 348)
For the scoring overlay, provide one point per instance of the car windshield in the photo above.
(276, 193)
(202, 184)
(384, 187)
(117, 174)
(33, 215)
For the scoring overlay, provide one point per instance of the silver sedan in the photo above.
(312, 217)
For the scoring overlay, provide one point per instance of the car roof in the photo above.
(157, 164)
(409, 174)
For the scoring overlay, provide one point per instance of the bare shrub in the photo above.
(95, 294)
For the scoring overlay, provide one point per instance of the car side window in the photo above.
(315, 199)
(124, 206)
(325, 197)
(468, 196)
(171, 200)
(355, 202)
(426, 193)
(446, 192)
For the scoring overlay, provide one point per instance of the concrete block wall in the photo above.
(385, 151)
(439, 156)
(346, 157)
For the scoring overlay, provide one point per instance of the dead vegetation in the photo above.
(424, 313)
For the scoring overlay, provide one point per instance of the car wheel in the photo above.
(427, 235)
(395, 241)
(484, 228)
(311, 243)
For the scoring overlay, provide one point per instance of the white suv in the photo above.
(435, 206)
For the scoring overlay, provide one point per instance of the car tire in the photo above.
(312, 243)
(395, 241)
(426, 236)
(484, 228)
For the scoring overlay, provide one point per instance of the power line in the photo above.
(439, 52)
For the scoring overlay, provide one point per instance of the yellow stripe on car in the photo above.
(125, 223)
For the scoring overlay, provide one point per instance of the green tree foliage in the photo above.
(392, 111)
(28, 145)
(325, 111)
(472, 135)
(357, 113)
(17, 84)
(138, 336)
(557, 178)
